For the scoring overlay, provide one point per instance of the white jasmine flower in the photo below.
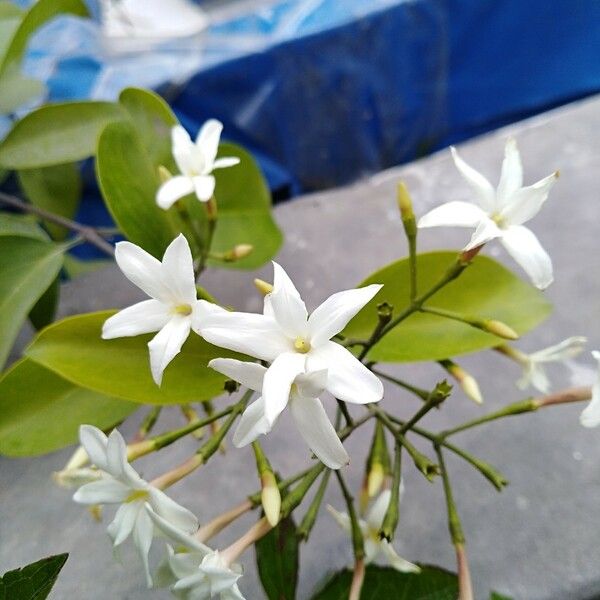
(370, 526)
(196, 162)
(120, 484)
(296, 343)
(306, 408)
(501, 212)
(534, 373)
(173, 308)
(590, 417)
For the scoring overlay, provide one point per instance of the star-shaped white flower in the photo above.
(120, 484)
(534, 373)
(501, 213)
(370, 526)
(306, 408)
(196, 162)
(296, 343)
(590, 417)
(174, 307)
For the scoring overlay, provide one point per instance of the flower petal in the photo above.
(335, 313)
(174, 189)
(94, 442)
(248, 374)
(527, 202)
(396, 561)
(486, 230)
(485, 193)
(453, 214)
(104, 491)
(511, 176)
(183, 150)
(208, 139)
(525, 248)
(377, 512)
(252, 334)
(142, 269)
(204, 186)
(318, 432)
(122, 525)
(179, 516)
(143, 531)
(568, 348)
(288, 308)
(534, 375)
(177, 535)
(311, 384)
(166, 345)
(225, 162)
(116, 454)
(252, 424)
(144, 317)
(178, 271)
(342, 519)
(590, 417)
(278, 382)
(347, 378)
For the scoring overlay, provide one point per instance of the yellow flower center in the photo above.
(137, 495)
(183, 309)
(301, 345)
(499, 220)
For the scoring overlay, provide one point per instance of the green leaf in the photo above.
(56, 189)
(277, 555)
(74, 350)
(432, 583)
(497, 596)
(21, 225)
(55, 134)
(40, 412)
(33, 582)
(28, 267)
(44, 310)
(128, 181)
(41, 12)
(8, 26)
(75, 267)
(153, 119)
(245, 217)
(16, 90)
(486, 289)
(9, 10)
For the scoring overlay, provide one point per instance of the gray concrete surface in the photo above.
(538, 540)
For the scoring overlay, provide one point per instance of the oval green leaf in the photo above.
(486, 289)
(21, 225)
(40, 412)
(28, 267)
(73, 349)
(56, 134)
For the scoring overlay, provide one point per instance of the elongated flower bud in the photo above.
(500, 329)
(466, 381)
(406, 209)
(270, 495)
(263, 287)
(377, 467)
(238, 252)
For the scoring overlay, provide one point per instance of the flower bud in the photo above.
(263, 287)
(164, 174)
(467, 382)
(74, 478)
(405, 202)
(238, 252)
(270, 497)
(377, 467)
(500, 329)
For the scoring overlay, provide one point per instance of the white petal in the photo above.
(166, 345)
(249, 374)
(568, 348)
(144, 317)
(252, 424)
(178, 271)
(94, 443)
(399, 563)
(348, 379)
(104, 491)
(377, 512)
(526, 203)
(335, 313)
(311, 384)
(318, 432)
(590, 417)
(534, 375)
(342, 519)
(525, 248)
(226, 161)
(453, 214)
(143, 532)
(179, 516)
(204, 186)
(233, 593)
(174, 189)
(252, 334)
(372, 549)
(288, 308)
(208, 140)
(142, 269)
(116, 454)
(177, 535)
(183, 150)
(486, 230)
(201, 311)
(511, 177)
(483, 189)
(122, 525)
(278, 382)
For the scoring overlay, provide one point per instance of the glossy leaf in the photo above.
(74, 349)
(486, 289)
(33, 582)
(44, 310)
(56, 134)
(16, 89)
(128, 181)
(56, 189)
(432, 583)
(28, 267)
(40, 412)
(245, 216)
(21, 225)
(277, 558)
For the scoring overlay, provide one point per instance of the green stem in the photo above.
(148, 423)
(357, 536)
(454, 524)
(311, 514)
(392, 514)
(419, 392)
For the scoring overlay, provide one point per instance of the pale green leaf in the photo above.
(21, 225)
(16, 90)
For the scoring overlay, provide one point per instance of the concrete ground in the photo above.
(538, 540)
